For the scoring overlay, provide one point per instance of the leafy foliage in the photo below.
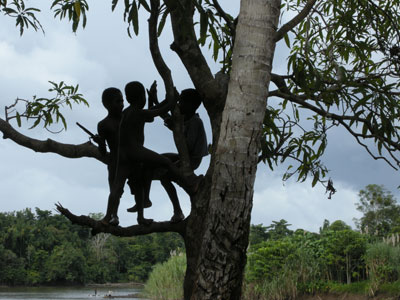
(24, 16)
(71, 9)
(47, 110)
(219, 27)
(343, 69)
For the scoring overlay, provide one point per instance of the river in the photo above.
(67, 293)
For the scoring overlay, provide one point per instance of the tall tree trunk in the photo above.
(218, 229)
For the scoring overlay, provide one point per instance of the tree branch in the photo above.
(226, 17)
(67, 150)
(158, 60)
(186, 46)
(165, 73)
(295, 21)
(341, 120)
(98, 226)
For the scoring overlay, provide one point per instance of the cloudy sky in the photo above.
(103, 55)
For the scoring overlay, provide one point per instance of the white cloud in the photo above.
(61, 58)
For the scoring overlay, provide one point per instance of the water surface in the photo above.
(67, 293)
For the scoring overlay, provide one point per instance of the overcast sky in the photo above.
(103, 55)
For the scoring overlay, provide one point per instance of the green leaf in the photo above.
(114, 4)
(203, 27)
(287, 41)
(162, 22)
(77, 6)
(133, 17)
(18, 116)
(316, 178)
(145, 5)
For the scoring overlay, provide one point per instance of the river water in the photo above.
(67, 293)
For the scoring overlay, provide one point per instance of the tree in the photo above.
(258, 234)
(279, 229)
(342, 71)
(380, 211)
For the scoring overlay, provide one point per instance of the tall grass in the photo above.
(166, 280)
(383, 265)
(281, 287)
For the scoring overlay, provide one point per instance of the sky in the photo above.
(102, 55)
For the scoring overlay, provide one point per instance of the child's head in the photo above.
(135, 94)
(112, 100)
(190, 101)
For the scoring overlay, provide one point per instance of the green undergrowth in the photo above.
(166, 280)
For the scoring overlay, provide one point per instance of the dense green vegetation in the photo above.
(283, 263)
(41, 248)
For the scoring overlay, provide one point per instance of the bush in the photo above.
(383, 265)
(166, 280)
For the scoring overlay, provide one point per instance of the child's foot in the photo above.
(146, 204)
(105, 221)
(144, 221)
(114, 221)
(177, 217)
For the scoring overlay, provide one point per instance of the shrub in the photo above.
(383, 265)
(166, 280)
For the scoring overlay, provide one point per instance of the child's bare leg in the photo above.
(116, 191)
(146, 185)
(171, 191)
(139, 198)
(150, 157)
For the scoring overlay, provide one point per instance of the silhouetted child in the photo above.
(196, 141)
(108, 134)
(132, 152)
(193, 127)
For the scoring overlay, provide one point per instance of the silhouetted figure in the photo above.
(108, 134)
(196, 142)
(134, 158)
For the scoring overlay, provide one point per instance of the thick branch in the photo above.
(165, 73)
(66, 150)
(158, 60)
(186, 46)
(98, 226)
(295, 21)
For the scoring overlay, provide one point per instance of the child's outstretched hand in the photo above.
(152, 94)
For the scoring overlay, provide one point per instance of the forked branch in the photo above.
(135, 230)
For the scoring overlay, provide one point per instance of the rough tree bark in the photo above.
(217, 254)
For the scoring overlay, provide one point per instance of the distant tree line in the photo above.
(39, 248)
